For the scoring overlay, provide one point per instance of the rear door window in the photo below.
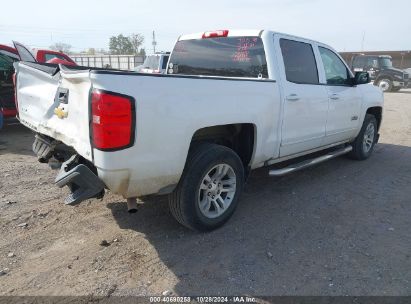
(299, 62)
(223, 56)
(49, 56)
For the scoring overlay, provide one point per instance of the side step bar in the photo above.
(309, 162)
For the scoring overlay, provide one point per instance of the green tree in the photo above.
(120, 45)
(142, 52)
(136, 40)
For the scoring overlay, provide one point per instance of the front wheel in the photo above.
(385, 84)
(364, 143)
(209, 189)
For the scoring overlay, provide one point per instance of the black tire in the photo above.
(395, 89)
(184, 201)
(359, 152)
(385, 84)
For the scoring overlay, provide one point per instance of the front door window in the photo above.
(336, 72)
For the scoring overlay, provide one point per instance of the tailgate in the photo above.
(55, 102)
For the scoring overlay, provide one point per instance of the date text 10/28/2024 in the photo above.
(176, 299)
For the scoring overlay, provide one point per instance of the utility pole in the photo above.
(362, 42)
(154, 43)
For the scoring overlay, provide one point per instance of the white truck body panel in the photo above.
(164, 129)
(170, 109)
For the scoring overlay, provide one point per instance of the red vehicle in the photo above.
(8, 55)
(9, 51)
(53, 57)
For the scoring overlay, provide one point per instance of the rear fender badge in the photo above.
(60, 112)
(355, 117)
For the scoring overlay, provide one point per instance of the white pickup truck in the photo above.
(231, 101)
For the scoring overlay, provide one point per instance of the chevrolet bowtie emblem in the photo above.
(60, 113)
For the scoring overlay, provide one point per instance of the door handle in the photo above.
(292, 97)
(334, 96)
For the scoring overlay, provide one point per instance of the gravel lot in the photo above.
(341, 228)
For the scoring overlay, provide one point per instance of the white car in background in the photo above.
(154, 64)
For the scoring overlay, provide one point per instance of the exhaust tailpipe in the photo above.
(132, 205)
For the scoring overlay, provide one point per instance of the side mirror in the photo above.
(361, 78)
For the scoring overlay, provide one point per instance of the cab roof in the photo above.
(231, 33)
(8, 49)
(241, 32)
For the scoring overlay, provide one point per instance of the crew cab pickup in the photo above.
(231, 101)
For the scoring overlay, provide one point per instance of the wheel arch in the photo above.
(385, 76)
(240, 137)
(377, 113)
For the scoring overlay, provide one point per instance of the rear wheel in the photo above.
(364, 143)
(385, 84)
(209, 189)
(395, 89)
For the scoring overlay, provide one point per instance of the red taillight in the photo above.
(214, 34)
(112, 120)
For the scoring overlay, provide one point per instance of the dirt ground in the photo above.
(340, 228)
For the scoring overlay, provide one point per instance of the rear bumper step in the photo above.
(310, 162)
(83, 183)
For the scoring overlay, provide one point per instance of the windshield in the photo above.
(386, 62)
(6, 72)
(225, 56)
(152, 62)
(6, 61)
(6, 66)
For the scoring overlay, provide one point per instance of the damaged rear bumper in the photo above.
(82, 181)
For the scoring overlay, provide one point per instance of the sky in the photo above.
(346, 25)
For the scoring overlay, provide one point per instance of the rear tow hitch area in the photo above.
(44, 148)
(83, 182)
